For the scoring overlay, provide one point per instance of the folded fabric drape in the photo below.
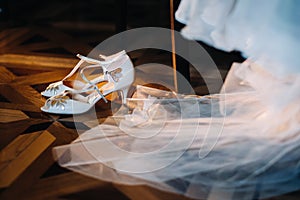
(265, 31)
(235, 142)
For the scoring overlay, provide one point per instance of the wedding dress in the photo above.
(243, 143)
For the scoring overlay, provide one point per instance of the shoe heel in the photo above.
(124, 93)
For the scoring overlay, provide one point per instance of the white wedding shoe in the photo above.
(120, 76)
(65, 84)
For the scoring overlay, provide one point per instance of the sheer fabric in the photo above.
(242, 143)
(255, 151)
(265, 31)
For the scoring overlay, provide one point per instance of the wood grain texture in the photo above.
(9, 115)
(69, 183)
(39, 61)
(19, 154)
(147, 193)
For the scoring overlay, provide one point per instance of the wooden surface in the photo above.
(30, 59)
(27, 167)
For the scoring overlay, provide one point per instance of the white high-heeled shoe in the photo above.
(60, 86)
(120, 76)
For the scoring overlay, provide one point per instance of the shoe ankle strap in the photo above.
(82, 58)
(106, 69)
(90, 67)
(88, 59)
(93, 85)
(120, 53)
(108, 59)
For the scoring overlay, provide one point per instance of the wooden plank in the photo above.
(30, 94)
(26, 67)
(13, 95)
(6, 76)
(40, 61)
(63, 134)
(35, 47)
(18, 165)
(64, 184)
(13, 36)
(9, 131)
(12, 150)
(65, 41)
(9, 115)
(40, 78)
(20, 106)
(148, 193)
(27, 36)
(30, 176)
(19, 40)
